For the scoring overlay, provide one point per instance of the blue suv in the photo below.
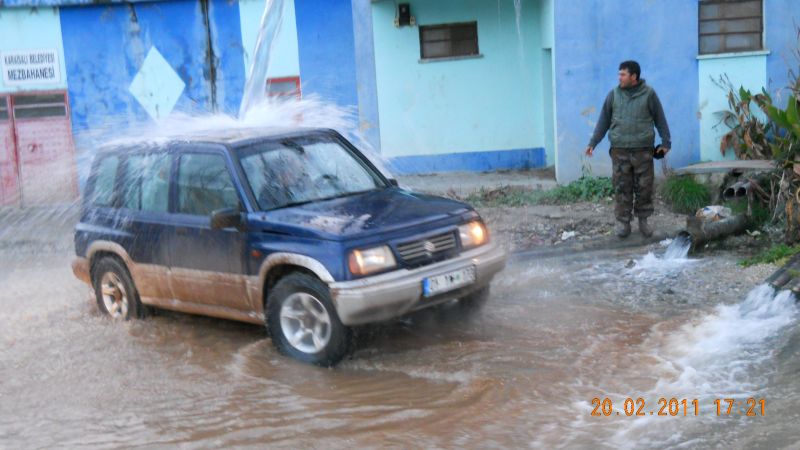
(292, 229)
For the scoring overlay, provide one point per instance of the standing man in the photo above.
(630, 111)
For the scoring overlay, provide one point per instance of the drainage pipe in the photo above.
(738, 189)
(701, 231)
(787, 276)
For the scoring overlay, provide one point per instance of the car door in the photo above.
(207, 265)
(144, 221)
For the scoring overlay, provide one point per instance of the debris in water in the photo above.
(568, 235)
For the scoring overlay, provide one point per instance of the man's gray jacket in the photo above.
(630, 114)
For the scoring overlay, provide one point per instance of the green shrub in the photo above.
(776, 253)
(586, 188)
(504, 196)
(684, 194)
(760, 213)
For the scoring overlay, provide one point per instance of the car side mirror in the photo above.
(393, 182)
(226, 218)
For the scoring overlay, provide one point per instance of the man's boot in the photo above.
(644, 227)
(622, 229)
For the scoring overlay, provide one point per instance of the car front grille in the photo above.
(427, 250)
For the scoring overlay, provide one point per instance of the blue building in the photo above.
(438, 85)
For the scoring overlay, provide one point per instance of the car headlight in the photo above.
(473, 234)
(363, 262)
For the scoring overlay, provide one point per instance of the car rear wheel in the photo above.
(303, 323)
(114, 290)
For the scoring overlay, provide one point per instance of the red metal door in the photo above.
(9, 180)
(44, 144)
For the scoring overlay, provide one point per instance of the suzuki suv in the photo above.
(292, 229)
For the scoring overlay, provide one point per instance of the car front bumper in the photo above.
(393, 294)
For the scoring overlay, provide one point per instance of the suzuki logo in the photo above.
(429, 247)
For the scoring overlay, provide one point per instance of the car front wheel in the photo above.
(303, 323)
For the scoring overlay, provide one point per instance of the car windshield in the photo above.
(297, 171)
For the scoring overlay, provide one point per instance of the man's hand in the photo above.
(589, 151)
(666, 149)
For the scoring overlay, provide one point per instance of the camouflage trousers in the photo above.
(633, 176)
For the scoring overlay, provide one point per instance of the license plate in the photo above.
(448, 281)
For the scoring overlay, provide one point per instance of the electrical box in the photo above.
(404, 17)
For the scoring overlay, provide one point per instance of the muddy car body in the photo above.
(294, 229)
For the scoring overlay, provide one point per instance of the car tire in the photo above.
(115, 292)
(303, 323)
(475, 300)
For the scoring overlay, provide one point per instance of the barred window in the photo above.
(727, 26)
(283, 87)
(448, 40)
(3, 108)
(27, 106)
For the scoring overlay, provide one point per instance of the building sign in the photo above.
(26, 67)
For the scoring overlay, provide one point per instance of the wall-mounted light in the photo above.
(404, 17)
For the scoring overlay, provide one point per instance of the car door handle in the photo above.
(182, 231)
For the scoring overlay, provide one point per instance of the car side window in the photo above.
(147, 182)
(105, 177)
(204, 184)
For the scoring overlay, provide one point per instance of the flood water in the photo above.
(558, 332)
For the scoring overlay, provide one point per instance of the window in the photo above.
(449, 40)
(42, 105)
(285, 87)
(301, 171)
(105, 177)
(147, 182)
(3, 108)
(730, 26)
(205, 185)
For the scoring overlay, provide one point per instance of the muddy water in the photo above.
(559, 332)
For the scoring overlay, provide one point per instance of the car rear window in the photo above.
(147, 182)
(105, 177)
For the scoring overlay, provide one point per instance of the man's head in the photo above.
(629, 72)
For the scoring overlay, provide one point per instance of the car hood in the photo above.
(378, 211)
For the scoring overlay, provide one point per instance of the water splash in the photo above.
(268, 113)
(678, 248)
(727, 353)
(718, 352)
(255, 87)
(673, 259)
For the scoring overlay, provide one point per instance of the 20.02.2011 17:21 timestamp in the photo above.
(678, 407)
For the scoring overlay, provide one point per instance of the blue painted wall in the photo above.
(368, 116)
(465, 106)
(782, 17)
(742, 71)
(226, 36)
(487, 161)
(591, 38)
(327, 50)
(45, 3)
(754, 71)
(100, 71)
(546, 21)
